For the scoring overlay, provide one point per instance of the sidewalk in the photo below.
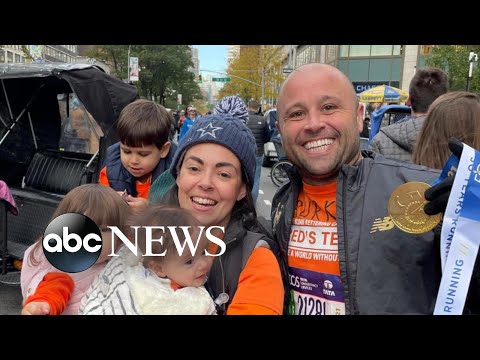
(10, 299)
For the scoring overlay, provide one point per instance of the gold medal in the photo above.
(405, 208)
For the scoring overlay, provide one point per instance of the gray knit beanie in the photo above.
(234, 106)
(222, 129)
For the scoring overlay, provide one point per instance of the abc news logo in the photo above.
(72, 242)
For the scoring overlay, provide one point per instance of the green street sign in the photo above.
(221, 79)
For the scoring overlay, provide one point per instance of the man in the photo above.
(397, 140)
(343, 253)
(261, 131)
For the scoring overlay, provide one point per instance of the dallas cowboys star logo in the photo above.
(209, 130)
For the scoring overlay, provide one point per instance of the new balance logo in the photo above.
(382, 224)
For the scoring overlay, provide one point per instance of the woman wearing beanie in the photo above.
(212, 176)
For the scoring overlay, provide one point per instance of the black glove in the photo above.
(438, 195)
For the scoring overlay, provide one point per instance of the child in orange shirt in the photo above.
(45, 289)
(142, 154)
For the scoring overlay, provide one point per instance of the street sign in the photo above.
(287, 70)
(221, 79)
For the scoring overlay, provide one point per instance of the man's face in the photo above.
(320, 122)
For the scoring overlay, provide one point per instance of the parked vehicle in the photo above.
(269, 154)
(56, 121)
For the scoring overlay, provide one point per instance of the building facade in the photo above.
(49, 53)
(365, 65)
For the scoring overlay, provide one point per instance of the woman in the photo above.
(454, 114)
(213, 171)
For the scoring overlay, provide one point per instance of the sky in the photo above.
(212, 57)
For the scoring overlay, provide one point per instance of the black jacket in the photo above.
(260, 129)
(383, 269)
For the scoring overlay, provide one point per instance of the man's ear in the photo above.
(408, 102)
(360, 112)
(165, 149)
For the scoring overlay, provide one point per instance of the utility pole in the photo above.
(472, 57)
(263, 88)
(128, 66)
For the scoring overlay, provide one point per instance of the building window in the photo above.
(9, 56)
(344, 50)
(370, 50)
(381, 50)
(18, 58)
(359, 50)
(306, 54)
(2, 56)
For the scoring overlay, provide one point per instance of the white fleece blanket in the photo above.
(126, 287)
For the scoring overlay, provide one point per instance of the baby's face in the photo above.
(186, 270)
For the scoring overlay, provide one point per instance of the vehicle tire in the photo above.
(278, 172)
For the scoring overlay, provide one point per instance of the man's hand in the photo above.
(36, 308)
(438, 195)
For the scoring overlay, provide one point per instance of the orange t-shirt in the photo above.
(313, 266)
(260, 288)
(142, 189)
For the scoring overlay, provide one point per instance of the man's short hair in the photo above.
(252, 104)
(144, 122)
(427, 84)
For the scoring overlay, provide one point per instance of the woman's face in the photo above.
(210, 183)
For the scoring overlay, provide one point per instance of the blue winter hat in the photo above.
(234, 106)
(222, 129)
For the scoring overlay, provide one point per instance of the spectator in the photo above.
(397, 140)
(366, 128)
(455, 114)
(188, 122)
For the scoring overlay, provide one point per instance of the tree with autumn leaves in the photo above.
(252, 60)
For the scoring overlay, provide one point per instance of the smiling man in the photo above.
(342, 251)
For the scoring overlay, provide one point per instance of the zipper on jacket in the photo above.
(345, 242)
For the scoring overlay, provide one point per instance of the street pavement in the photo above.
(10, 294)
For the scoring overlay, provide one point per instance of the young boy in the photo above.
(142, 154)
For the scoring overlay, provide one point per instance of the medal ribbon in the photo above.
(460, 229)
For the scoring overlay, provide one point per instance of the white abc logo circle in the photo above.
(72, 242)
